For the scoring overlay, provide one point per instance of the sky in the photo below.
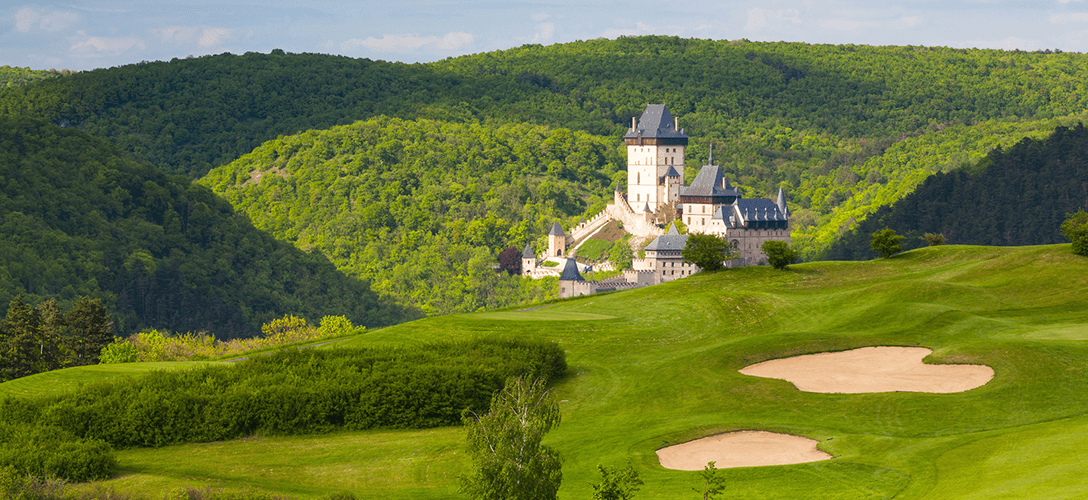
(84, 35)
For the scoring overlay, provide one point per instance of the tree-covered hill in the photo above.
(1015, 196)
(11, 76)
(421, 208)
(839, 126)
(78, 218)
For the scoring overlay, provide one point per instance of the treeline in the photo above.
(1014, 196)
(79, 219)
(290, 392)
(44, 338)
(11, 76)
(422, 208)
(809, 118)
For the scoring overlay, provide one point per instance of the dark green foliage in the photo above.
(1014, 196)
(779, 254)
(293, 392)
(933, 240)
(405, 203)
(509, 461)
(708, 251)
(616, 483)
(44, 451)
(79, 219)
(886, 243)
(1075, 228)
(43, 338)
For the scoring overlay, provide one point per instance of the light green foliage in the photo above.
(11, 76)
(779, 254)
(334, 326)
(118, 351)
(933, 239)
(421, 208)
(713, 484)
(708, 251)
(621, 255)
(1075, 228)
(616, 483)
(594, 249)
(509, 461)
(886, 242)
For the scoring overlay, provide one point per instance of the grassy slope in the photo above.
(664, 370)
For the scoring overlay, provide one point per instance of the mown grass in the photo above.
(658, 366)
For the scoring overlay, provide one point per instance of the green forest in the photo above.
(411, 178)
(1014, 196)
(80, 219)
(11, 76)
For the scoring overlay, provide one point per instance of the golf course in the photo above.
(660, 366)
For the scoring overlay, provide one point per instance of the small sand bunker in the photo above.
(872, 369)
(741, 449)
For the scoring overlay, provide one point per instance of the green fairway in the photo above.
(63, 381)
(658, 366)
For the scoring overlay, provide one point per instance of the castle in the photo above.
(655, 176)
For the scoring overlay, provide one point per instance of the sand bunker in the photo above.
(872, 369)
(741, 449)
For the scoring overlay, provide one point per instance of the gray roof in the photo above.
(557, 230)
(757, 209)
(570, 271)
(656, 123)
(528, 253)
(672, 240)
(671, 172)
(710, 182)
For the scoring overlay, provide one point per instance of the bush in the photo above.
(52, 452)
(933, 239)
(119, 351)
(886, 243)
(708, 251)
(1075, 228)
(779, 254)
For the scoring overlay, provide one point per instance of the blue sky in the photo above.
(85, 35)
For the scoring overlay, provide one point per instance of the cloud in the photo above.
(28, 19)
(98, 44)
(1072, 17)
(545, 33)
(766, 18)
(389, 43)
(203, 36)
(841, 24)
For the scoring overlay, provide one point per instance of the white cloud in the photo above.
(544, 33)
(211, 37)
(28, 19)
(203, 36)
(388, 43)
(1072, 17)
(98, 44)
(766, 18)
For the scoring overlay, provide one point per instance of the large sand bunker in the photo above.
(872, 369)
(741, 449)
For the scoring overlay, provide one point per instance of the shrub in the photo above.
(119, 351)
(886, 243)
(1075, 228)
(933, 239)
(779, 254)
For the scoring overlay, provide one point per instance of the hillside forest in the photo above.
(415, 176)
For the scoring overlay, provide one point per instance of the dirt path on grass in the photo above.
(741, 449)
(872, 369)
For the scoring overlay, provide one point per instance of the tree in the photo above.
(510, 261)
(933, 239)
(621, 255)
(1075, 228)
(708, 251)
(89, 329)
(713, 484)
(617, 484)
(886, 242)
(509, 461)
(779, 254)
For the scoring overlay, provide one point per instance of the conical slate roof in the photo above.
(671, 172)
(656, 123)
(557, 230)
(570, 271)
(671, 240)
(710, 182)
(528, 252)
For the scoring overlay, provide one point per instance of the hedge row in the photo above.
(291, 392)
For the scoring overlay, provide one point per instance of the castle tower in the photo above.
(655, 144)
(557, 241)
(528, 260)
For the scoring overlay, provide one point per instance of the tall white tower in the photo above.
(655, 144)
